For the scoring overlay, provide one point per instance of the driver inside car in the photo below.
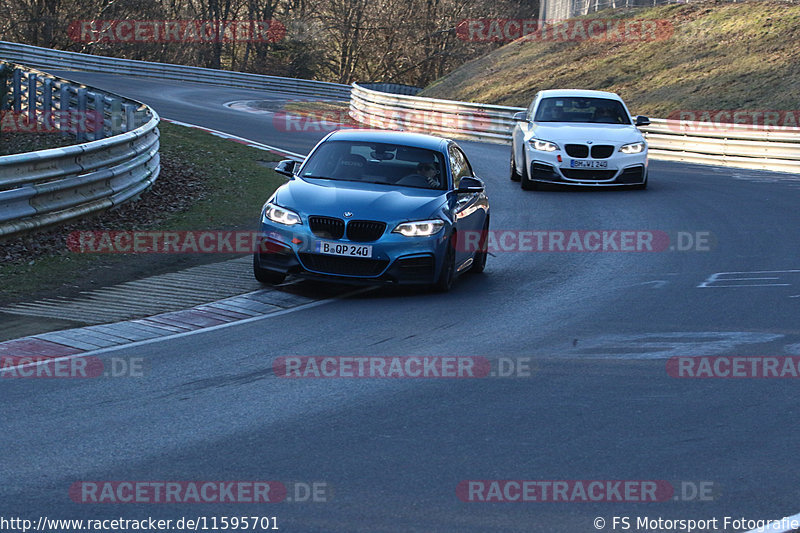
(431, 174)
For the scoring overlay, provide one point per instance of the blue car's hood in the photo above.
(365, 200)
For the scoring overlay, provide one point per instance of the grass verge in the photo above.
(720, 55)
(205, 183)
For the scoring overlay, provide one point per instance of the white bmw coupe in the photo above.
(575, 137)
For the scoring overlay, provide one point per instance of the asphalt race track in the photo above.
(597, 327)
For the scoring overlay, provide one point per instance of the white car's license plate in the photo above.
(582, 163)
(344, 249)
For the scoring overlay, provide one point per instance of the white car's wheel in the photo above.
(513, 172)
(525, 182)
(642, 186)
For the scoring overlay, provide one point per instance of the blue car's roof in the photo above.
(415, 140)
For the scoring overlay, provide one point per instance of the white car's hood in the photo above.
(561, 132)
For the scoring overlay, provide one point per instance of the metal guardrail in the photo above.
(480, 122)
(48, 58)
(394, 88)
(118, 162)
(735, 145)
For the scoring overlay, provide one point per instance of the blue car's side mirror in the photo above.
(469, 185)
(286, 167)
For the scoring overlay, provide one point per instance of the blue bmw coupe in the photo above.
(379, 207)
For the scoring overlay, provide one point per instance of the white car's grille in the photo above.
(581, 151)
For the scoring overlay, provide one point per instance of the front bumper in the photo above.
(622, 169)
(396, 260)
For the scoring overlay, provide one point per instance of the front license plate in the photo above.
(582, 163)
(344, 249)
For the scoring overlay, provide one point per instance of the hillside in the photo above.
(719, 55)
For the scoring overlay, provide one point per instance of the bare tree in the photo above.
(402, 41)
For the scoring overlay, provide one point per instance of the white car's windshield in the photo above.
(581, 109)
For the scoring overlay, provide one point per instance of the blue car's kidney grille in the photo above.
(326, 227)
(365, 230)
(346, 266)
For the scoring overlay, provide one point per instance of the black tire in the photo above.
(513, 171)
(448, 274)
(641, 186)
(266, 276)
(479, 261)
(525, 183)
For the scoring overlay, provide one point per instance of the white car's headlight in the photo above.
(632, 148)
(419, 228)
(281, 215)
(543, 146)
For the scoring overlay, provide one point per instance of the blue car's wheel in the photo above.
(479, 261)
(448, 274)
(266, 276)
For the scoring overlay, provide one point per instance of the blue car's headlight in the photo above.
(632, 148)
(419, 228)
(281, 215)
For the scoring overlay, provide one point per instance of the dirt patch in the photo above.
(20, 143)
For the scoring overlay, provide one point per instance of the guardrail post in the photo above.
(116, 117)
(130, 111)
(5, 99)
(80, 127)
(33, 98)
(53, 186)
(97, 117)
(47, 104)
(17, 90)
(63, 108)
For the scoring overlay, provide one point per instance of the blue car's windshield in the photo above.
(370, 162)
(581, 109)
